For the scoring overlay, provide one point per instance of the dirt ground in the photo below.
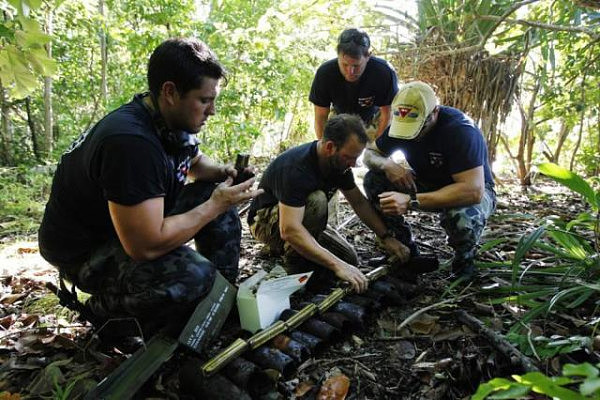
(414, 349)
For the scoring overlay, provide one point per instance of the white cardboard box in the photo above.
(259, 310)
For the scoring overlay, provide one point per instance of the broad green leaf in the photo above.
(31, 39)
(33, 3)
(571, 243)
(590, 386)
(41, 63)
(515, 391)
(584, 369)
(540, 383)
(493, 385)
(15, 3)
(570, 180)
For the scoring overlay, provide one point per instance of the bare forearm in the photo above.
(177, 230)
(321, 116)
(308, 247)
(375, 160)
(369, 216)
(207, 170)
(454, 195)
(384, 120)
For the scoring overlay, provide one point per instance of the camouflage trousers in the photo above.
(265, 228)
(169, 287)
(463, 225)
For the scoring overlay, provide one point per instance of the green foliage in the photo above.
(22, 197)
(573, 182)
(22, 54)
(63, 393)
(545, 347)
(583, 376)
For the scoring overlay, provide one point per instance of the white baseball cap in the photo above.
(410, 108)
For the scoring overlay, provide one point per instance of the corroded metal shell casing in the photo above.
(319, 328)
(371, 305)
(298, 351)
(337, 320)
(269, 357)
(389, 291)
(314, 343)
(248, 376)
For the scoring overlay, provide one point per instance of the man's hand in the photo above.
(352, 275)
(225, 195)
(403, 178)
(394, 203)
(228, 170)
(396, 248)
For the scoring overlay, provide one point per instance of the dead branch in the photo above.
(501, 344)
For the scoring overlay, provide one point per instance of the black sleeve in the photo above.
(319, 94)
(293, 187)
(392, 88)
(130, 170)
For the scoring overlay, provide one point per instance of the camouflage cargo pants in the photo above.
(166, 288)
(463, 225)
(265, 228)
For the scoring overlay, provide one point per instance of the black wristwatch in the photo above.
(414, 202)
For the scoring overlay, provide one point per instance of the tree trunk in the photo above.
(597, 171)
(565, 128)
(31, 124)
(103, 54)
(527, 139)
(48, 143)
(7, 129)
(582, 117)
(577, 144)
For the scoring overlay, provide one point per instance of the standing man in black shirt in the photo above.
(119, 215)
(290, 217)
(354, 83)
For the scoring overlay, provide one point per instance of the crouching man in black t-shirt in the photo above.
(291, 215)
(449, 173)
(119, 214)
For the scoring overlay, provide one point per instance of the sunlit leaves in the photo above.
(22, 55)
(570, 180)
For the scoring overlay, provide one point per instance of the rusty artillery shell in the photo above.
(374, 295)
(368, 303)
(319, 328)
(249, 376)
(215, 387)
(312, 342)
(390, 292)
(269, 357)
(406, 289)
(298, 351)
(354, 313)
(337, 320)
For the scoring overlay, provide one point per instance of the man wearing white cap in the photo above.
(449, 172)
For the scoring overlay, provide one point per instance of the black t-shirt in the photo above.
(455, 144)
(376, 87)
(293, 176)
(121, 159)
